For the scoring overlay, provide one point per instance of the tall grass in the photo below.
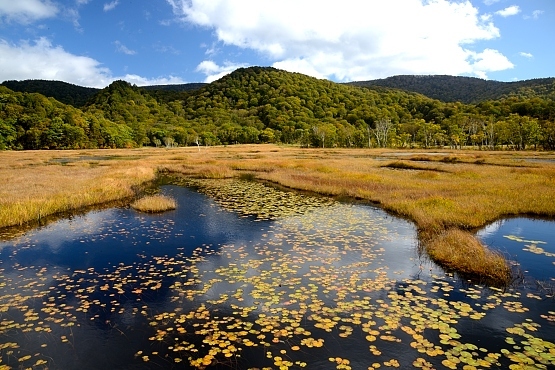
(459, 250)
(154, 203)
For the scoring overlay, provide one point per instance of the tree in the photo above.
(382, 132)
(429, 133)
(169, 141)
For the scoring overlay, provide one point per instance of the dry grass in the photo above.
(445, 190)
(154, 204)
(459, 250)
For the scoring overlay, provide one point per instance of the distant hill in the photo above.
(78, 96)
(63, 92)
(468, 90)
(265, 105)
(178, 87)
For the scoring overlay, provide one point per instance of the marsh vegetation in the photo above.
(443, 192)
(154, 203)
(244, 275)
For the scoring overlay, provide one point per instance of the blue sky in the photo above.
(94, 42)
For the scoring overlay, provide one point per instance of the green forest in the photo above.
(267, 105)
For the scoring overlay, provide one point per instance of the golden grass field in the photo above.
(446, 193)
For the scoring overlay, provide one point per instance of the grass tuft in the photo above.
(154, 204)
(460, 250)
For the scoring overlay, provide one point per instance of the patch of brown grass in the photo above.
(154, 203)
(458, 194)
(459, 250)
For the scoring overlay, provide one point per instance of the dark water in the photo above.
(530, 242)
(341, 286)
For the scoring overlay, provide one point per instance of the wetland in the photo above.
(244, 275)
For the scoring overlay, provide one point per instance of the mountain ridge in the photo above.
(446, 88)
(467, 90)
(267, 105)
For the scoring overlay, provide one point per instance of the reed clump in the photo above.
(154, 203)
(459, 250)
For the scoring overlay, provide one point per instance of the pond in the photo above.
(530, 242)
(242, 276)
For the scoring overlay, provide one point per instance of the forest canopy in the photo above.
(267, 105)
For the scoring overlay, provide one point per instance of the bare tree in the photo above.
(169, 141)
(320, 133)
(382, 131)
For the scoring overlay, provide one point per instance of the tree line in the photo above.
(266, 105)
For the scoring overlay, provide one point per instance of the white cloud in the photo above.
(42, 60)
(124, 49)
(27, 11)
(111, 6)
(509, 11)
(143, 81)
(352, 40)
(214, 71)
(491, 2)
(489, 61)
(526, 55)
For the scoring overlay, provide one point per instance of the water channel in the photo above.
(328, 285)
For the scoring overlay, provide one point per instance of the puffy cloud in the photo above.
(352, 40)
(27, 11)
(490, 61)
(42, 60)
(111, 6)
(509, 11)
(214, 71)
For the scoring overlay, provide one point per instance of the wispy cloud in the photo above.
(110, 6)
(27, 11)
(535, 14)
(491, 2)
(124, 49)
(365, 42)
(526, 55)
(509, 11)
(165, 48)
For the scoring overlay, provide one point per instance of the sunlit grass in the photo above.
(440, 191)
(460, 250)
(154, 203)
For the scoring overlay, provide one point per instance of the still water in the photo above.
(330, 286)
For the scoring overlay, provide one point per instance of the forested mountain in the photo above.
(63, 92)
(463, 89)
(254, 105)
(78, 96)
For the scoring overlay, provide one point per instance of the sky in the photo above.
(155, 42)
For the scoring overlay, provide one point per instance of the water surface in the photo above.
(328, 285)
